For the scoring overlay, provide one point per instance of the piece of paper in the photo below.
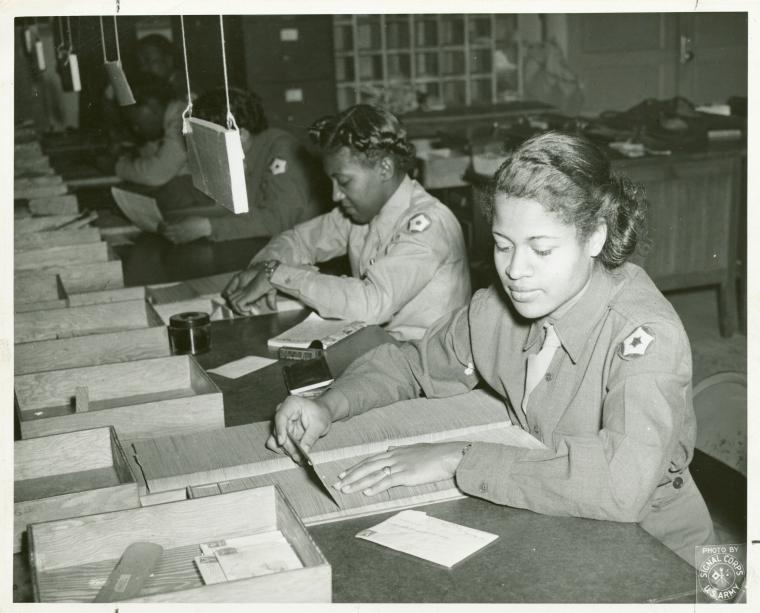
(314, 328)
(210, 570)
(254, 555)
(241, 367)
(140, 210)
(213, 305)
(429, 538)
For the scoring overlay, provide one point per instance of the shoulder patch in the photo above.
(637, 343)
(419, 223)
(278, 166)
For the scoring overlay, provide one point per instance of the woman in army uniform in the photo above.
(588, 355)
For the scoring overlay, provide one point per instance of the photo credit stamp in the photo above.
(721, 572)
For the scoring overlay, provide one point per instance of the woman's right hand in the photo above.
(300, 419)
(248, 286)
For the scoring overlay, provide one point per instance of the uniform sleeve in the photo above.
(162, 164)
(316, 240)
(436, 366)
(609, 474)
(281, 200)
(409, 264)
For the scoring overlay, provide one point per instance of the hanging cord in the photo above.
(68, 28)
(116, 36)
(61, 47)
(188, 112)
(103, 39)
(230, 119)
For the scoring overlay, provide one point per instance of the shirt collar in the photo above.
(574, 327)
(385, 221)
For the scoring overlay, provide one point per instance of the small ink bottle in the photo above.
(190, 333)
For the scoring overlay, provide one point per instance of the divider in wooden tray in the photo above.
(71, 557)
(55, 238)
(91, 350)
(121, 294)
(66, 255)
(236, 458)
(67, 475)
(66, 204)
(56, 282)
(83, 320)
(140, 399)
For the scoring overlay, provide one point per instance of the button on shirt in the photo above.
(617, 419)
(404, 276)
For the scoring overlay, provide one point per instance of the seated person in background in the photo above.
(156, 119)
(281, 180)
(588, 355)
(156, 56)
(405, 248)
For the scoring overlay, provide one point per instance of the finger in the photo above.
(272, 299)
(384, 459)
(232, 285)
(310, 437)
(356, 474)
(376, 481)
(272, 444)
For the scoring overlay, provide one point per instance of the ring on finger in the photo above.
(386, 471)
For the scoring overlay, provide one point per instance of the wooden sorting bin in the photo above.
(141, 399)
(56, 205)
(56, 238)
(66, 475)
(104, 296)
(71, 558)
(83, 320)
(91, 350)
(56, 282)
(66, 255)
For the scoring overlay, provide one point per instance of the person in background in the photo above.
(156, 120)
(282, 180)
(406, 249)
(156, 56)
(588, 355)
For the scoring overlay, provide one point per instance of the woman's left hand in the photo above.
(411, 465)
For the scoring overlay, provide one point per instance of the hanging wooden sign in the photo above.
(39, 55)
(215, 157)
(118, 80)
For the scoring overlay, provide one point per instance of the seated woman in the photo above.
(405, 248)
(282, 181)
(588, 355)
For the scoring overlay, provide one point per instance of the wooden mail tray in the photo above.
(71, 558)
(55, 282)
(66, 475)
(140, 399)
(83, 320)
(56, 238)
(120, 294)
(91, 350)
(64, 255)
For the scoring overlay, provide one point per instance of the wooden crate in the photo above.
(83, 320)
(141, 399)
(71, 558)
(91, 350)
(67, 475)
(121, 294)
(55, 238)
(55, 205)
(49, 283)
(67, 255)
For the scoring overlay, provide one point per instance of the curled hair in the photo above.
(571, 177)
(367, 130)
(245, 106)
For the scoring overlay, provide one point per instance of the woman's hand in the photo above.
(248, 286)
(410, 465)
(186, 230)
(298, 419)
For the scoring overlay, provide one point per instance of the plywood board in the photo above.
(67, 255)
(144, 398)
(45, 191)
(57, 205)
(215, 157)
(91, 350)
(83, 320)
(55, 238)
(236, 458)
(67, 475)
(96, 543)
(40, 224)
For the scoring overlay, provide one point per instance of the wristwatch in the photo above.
(269, 267)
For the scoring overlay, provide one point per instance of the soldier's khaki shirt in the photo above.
(409, 265)
(614, 408)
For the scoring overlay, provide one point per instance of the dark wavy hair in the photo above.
(571, 177)
(245, 106)
(367, 130)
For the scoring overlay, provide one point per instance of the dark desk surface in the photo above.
(536, 559)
